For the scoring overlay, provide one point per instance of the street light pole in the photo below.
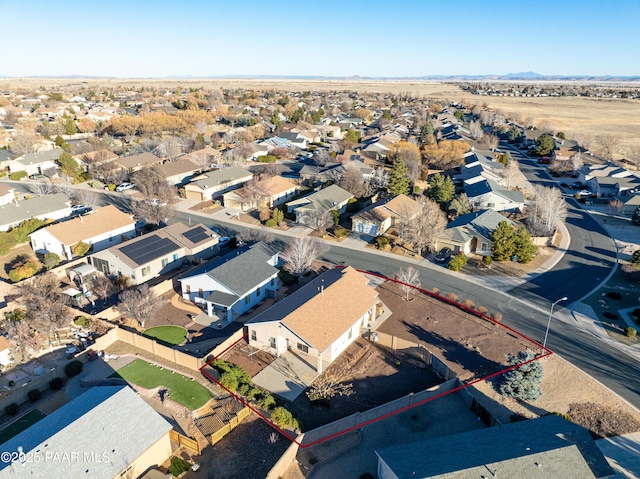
(546, 333)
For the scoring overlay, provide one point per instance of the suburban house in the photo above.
(137, 162)
(332, 198)
(609, 186)
(85, 438)
(276, 190)
(36, 163)
(107, 226)
(7, 193)
(205, 157)
(47, 207)
(319, 174)
(489, 194)
(214, 184)
(383, 214)
(6, 352)
(294, 139)
(232, 285)
(319, 320)
(611, 170)
(97, 157)
(156, 253)
(471, 233)
(629, 204)
(180, 170)
(478, 168)
(540, 448)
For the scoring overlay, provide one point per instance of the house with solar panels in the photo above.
(230, 286)
(156, 253)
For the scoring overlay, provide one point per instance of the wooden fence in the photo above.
(190, 444)
(234, 421)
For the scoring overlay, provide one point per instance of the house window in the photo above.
(257, 291)
(146, 270)
(254, 335)
(491, 205)
(303, 348)
(112, 238)
(273, 281)
(246, 299)
(175, 257)
(350, 333)
(164, 262)
(188, 289)
(483, 246)
(272, 343)
(200, 293)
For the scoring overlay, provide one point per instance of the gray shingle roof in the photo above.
(42, 205)
(40, 157)
(323, 200)
(562, 449)
(220, 177)
(244, 269)
(109, 419)
(486, 186)
(483, 222)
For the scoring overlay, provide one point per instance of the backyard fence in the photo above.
(181, 440)
(234, 421)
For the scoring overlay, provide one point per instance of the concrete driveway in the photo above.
(288, 376)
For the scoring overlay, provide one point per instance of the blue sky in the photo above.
(156, 38)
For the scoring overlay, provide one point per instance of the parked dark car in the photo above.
(443, 255)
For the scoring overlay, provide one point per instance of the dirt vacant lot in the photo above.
(470, 346)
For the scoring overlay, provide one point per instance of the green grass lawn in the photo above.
(20, 425)
(182, 389)
(167, 334)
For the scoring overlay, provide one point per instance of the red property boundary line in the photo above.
(473, 312)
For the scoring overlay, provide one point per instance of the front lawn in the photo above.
(181, 389)
(20, 425)
(171, 335)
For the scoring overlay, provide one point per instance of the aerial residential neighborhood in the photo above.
(318, 274)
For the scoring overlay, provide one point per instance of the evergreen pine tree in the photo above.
(524, 248)
(441, 188)
(398, 181)
(523, 382)
(503, 244)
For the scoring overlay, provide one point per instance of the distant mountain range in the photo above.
(522, 76)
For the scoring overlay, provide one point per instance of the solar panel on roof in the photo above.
(150, 247)
(197, 234)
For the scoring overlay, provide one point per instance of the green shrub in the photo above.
(73, 368)
(630, 332)
(23, 230)
(457, 262)
(232, 377)
(56, 384)
(34, 395)
(267, 159)
(486, 260)
(178, 466)
(229, 381)
(7, 242)
(416, 190)
(281, 417)
(381, 241)
(18, 175)
(111, 186)
(80, 248)
(287, 278)
(82, 321)
(270, 223)
(252, 393)
(335, 216)
(23, 271)
(265, 400)
(51, 260)
(11, 409)
(635, 257)
(340, 232)
(353, 205)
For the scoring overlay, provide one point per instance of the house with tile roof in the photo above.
(156, 253)
(105, 433)
(214, 184)
(137, 162)
(230, 286)
(276, 189)
(46, 207)
(542, 448)
(332, 198)
(319, 320)
(383, 214)
(106, 227)
(181, 170)
(471, 233)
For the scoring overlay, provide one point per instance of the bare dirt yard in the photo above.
(470, 346)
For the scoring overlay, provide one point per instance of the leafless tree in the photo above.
(322, 156)
(24, 336)
(272, 169)
(24, 142)
(492, 142)
(150, 144)
(88, 198)
(510, 172)
(547, 209)
(546, 127)
(10, 117)
(253, 235)
(421, 230)
(252, 193)
(475, 128)
(330, 384)
(352, 180)
(41, 187)
(138, 303)
(300, 255)
(409, 280)
(316, 220)
(576, 161)
(103, 287)
(634, 156)
(170, 148)
(65, 186)
(608, 146)
(459, 205)
(380, 178)
(158, 196)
